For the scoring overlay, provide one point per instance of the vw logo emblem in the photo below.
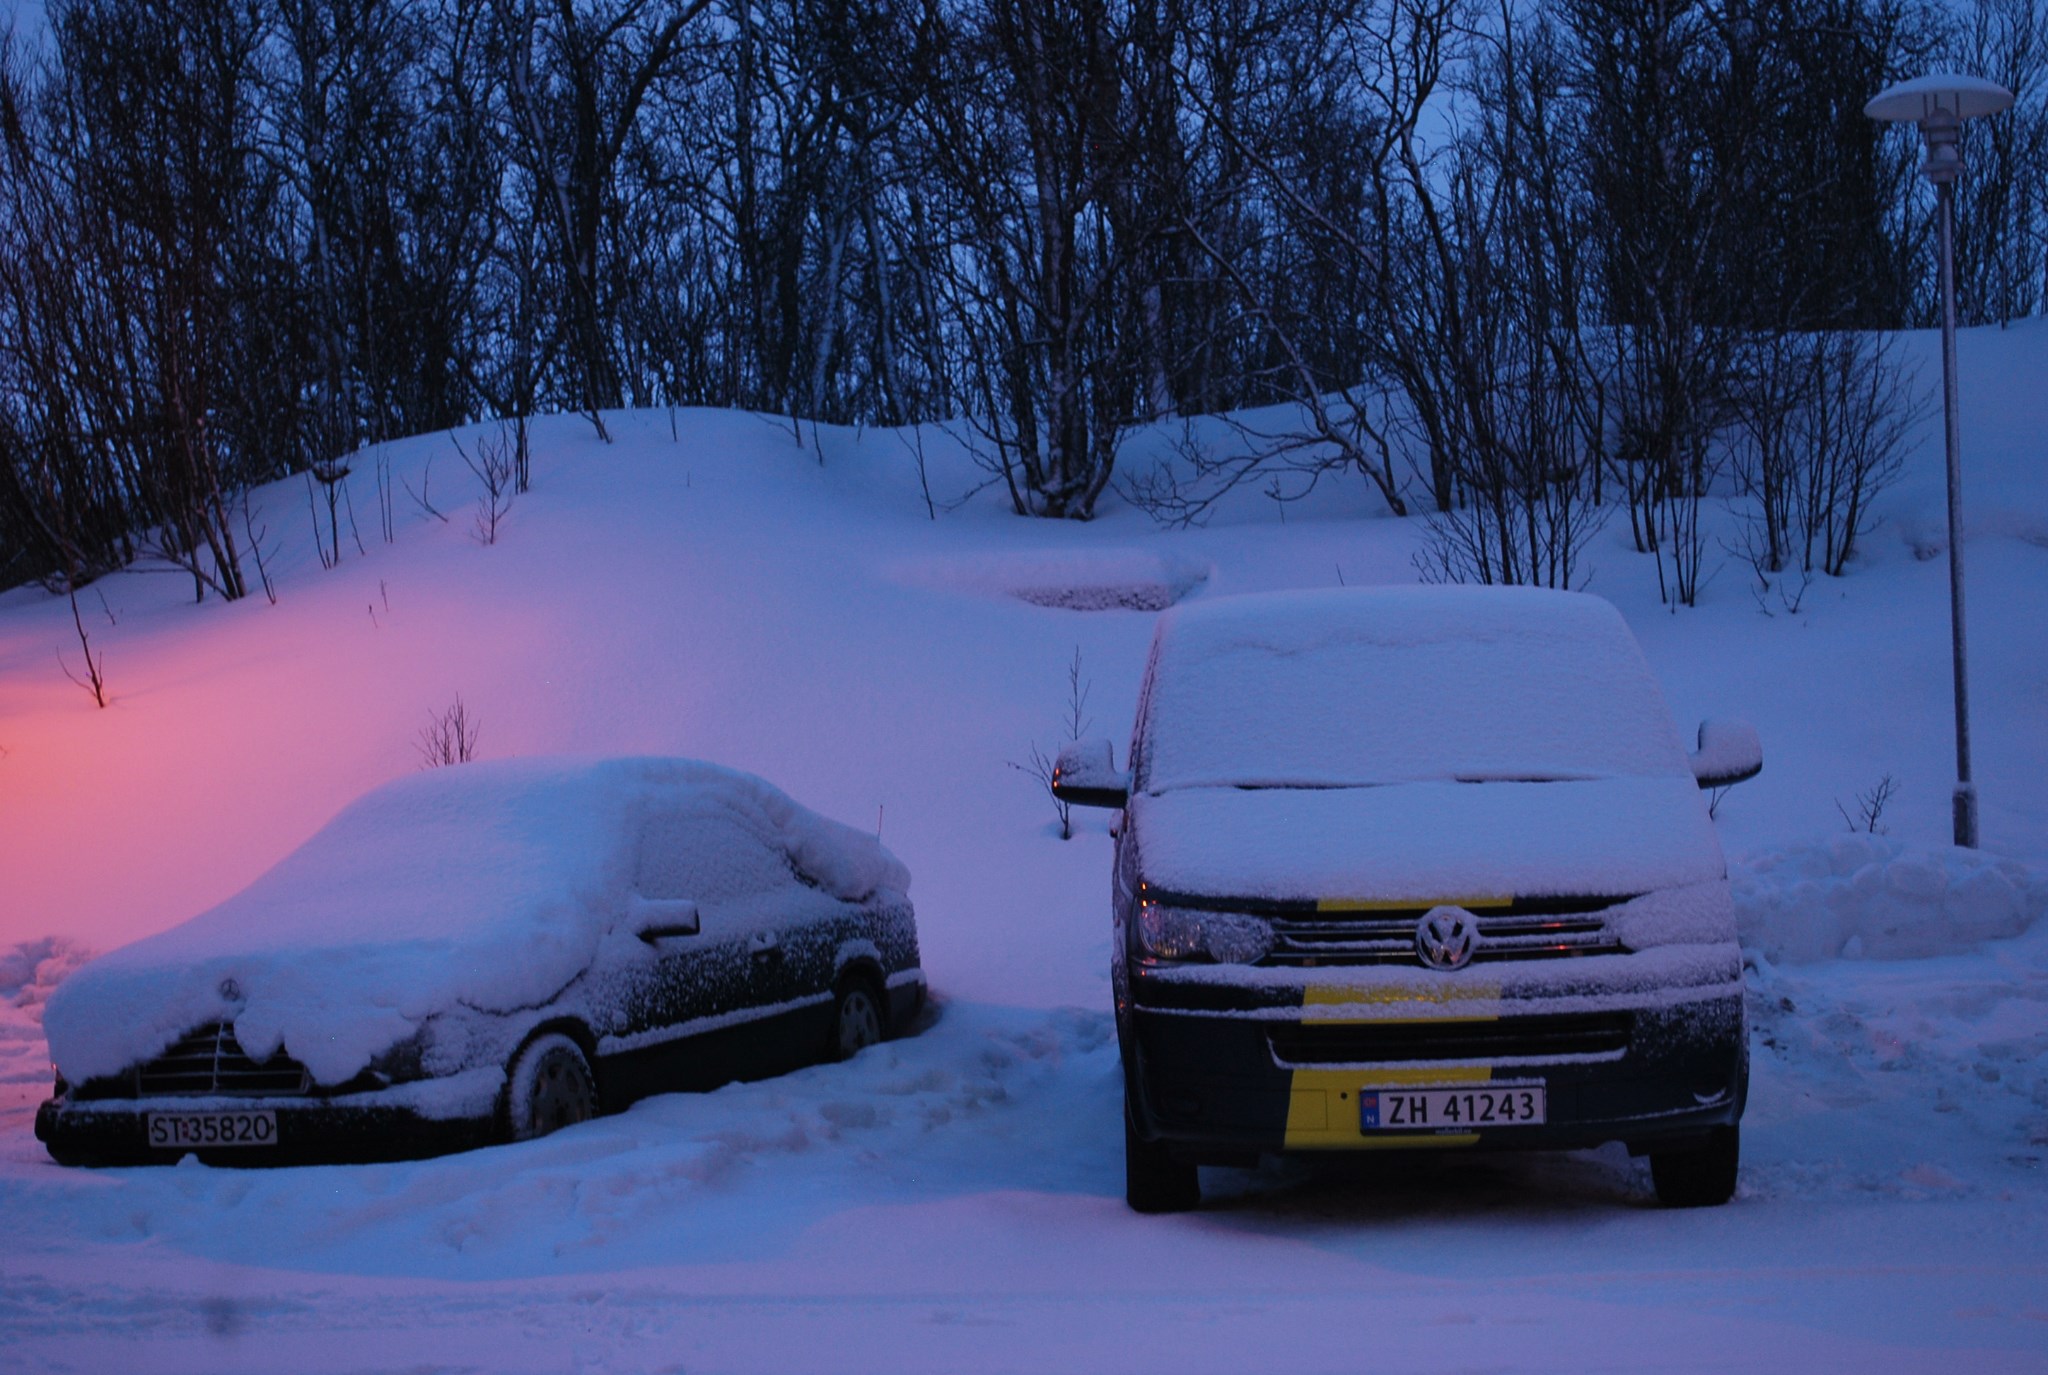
(230, 991)
(1447, 937)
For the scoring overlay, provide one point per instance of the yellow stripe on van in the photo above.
(1445, 1001)
(1407, 904)
(1322, 1108)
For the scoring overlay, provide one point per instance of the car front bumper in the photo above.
(413, 1120)
(1223, 1072)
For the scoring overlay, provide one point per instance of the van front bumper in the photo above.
(1221, 1070)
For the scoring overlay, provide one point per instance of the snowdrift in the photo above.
(1070, 579)
(1873, 897)
(29, 974)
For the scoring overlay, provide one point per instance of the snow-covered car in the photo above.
(483, 953)
(1418, 867)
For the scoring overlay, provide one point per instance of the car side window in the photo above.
(708, 855)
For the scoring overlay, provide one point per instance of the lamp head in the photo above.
(1939, 103)
(1918, 100)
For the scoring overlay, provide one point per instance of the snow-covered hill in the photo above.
(716, 585)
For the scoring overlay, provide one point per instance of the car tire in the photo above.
(550, 1087)
(1154, 1181)
(858, 1019)
(1699, 1177)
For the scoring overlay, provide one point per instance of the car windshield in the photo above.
(1351, 689)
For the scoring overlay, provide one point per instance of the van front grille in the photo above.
(1389, 937)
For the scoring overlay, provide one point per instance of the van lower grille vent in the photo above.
(1510, 1038)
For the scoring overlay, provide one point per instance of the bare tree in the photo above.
(1870, 807)
(449, 737)
(95, 680)
(145, 228)
(1025, 131)
(1285, 218)
(1851, 436)
(1073, 727)
(496, 465)
(1773, 375)
(1513, 255)
(577, 77)
(1522, 393)
(2001, 250)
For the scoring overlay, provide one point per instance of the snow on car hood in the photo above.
(1428, 841)
(488, 884)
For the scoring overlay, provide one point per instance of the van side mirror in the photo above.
(653, 919)
(1086, 775)
(1729, 752)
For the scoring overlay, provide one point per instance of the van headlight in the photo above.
(1181, 933)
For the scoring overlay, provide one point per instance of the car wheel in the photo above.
(1700, 1177)
(856, 1020)
(551, 1087)
(1154, 1181)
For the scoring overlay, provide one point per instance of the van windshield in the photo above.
(1324, 689)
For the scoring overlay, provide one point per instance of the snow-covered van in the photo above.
(488, 952)
(1418, 867)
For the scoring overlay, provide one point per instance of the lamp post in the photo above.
(1939, 104)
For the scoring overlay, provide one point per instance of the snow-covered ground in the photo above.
(952, 1200)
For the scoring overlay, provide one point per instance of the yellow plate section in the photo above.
(1449, 1000)
(1408, 904)
(1322, 1108)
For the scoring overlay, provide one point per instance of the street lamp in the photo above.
(1939, 103)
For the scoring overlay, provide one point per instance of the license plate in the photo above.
(181, 1130)
(1462, 1108)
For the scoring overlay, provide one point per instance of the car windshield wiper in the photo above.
(1527, 778)
(1295, 785)
(1344, 785)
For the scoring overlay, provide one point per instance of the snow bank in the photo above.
(1074, 579)
(1873, 897)
(29, 973)
(490, 885)
(1404, 684)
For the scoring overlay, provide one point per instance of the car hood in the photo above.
(1427, 842)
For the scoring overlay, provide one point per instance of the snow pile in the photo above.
(1074, 579)
(747, 1165)
(1357, 686)
(29, 973)
(1935, 1072)
(490, 885)
(1873, 897)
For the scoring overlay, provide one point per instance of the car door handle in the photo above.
(766, 945)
